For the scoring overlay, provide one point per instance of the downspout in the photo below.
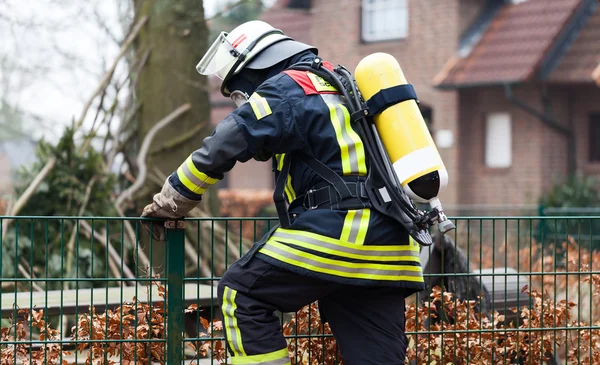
(546, 118)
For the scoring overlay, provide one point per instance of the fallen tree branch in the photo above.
(27, 276)
(71, 243)
(5, 222)
(133, 242)
(141, 158)
(107, 114)
(174, 142)
(140, 66)
(114, 256)
(107, 77)
(24, 198)
(28, 193)
(117, 146)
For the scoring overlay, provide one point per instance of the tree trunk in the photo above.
(176, 33)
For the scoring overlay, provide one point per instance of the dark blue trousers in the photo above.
(368, 323)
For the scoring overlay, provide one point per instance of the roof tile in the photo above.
(583, 56)
(513, 45)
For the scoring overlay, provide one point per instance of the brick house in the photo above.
(522, 71)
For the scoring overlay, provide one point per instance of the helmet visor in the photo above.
(219, 58)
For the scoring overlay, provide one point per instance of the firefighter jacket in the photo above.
(297, 111)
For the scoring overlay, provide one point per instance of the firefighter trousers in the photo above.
(368, 323)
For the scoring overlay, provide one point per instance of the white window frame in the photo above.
(383, 7)
(498, 140)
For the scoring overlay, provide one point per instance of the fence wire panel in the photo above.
(503, 290)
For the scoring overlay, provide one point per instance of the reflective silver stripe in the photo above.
(308, 260)
(282, 361)
(231, 322)
(355, 226)
(261, 107)
(336, 102)
(285, 237)
(280, 357)
(199, 183)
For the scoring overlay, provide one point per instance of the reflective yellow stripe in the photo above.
(351, 147)
(348, 221)
(346, 163)
(358, 145)
(197, 182)
(234, 336)
(319, 83)
(353, 251)
(356, 225)
(288, 189)
(309, 236)
(279, 357)
(280, 158)
(341, 268)
(260, 106)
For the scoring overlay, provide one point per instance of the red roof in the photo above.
(583, 56)
(513, 46)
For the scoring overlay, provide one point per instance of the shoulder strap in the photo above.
(326, 174)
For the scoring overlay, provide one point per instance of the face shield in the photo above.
(219, 58)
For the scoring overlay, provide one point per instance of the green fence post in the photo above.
(175, 273)
(542, 223)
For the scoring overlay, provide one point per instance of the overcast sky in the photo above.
(54, 52)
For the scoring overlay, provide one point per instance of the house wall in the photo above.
(586, 99)
(540, 154)
(518, 184)
(433, 36)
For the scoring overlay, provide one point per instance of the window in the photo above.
(427, 114)
(498, 140)
(299, 4)
(384, 19)
(594, 138)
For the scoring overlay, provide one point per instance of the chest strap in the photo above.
(324, 196)
(335, 192)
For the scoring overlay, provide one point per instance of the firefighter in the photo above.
(330, 246)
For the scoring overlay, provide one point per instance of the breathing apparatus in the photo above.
(404, 162)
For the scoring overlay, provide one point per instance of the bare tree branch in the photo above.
(180, 139)
(24, 198)
(105, 28)
(132, 36)
(28, 193)
(113, 254)
(82, 208)
(27, 276)
(141, 158)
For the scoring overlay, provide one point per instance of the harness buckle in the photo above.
(308, 200)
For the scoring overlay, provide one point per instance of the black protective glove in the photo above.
(167, 204)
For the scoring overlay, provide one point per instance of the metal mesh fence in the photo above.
(500, 290)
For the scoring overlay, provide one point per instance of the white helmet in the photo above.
(254, 45)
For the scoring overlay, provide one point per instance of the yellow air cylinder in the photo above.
(403, 131)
